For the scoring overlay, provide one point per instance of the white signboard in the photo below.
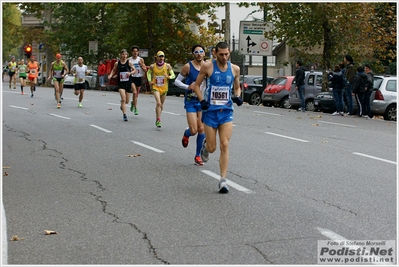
(143, 53)
(93, 47)
(252, 38)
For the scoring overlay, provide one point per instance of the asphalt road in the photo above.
(128, 193)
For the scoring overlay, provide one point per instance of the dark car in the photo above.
(252, 86)
(277, 92)
(174, 89)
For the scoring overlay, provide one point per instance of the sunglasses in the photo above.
(198, 52)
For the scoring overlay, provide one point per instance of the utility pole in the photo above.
(227, 23)
(264, 58)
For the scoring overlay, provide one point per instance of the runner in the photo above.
(58, 70)
(80, 71)
(33, 71)
(217, 106)
(12, 68)
(189, 72)
(22, 74)
(124, 69)
(160, 83)
(137, 77)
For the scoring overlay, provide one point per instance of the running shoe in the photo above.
(335, 113)
(158, 123)
(10, 86)
(184, 140)
(22, 92)
(34, 89)
(124, 117)
(204, 152)
(136, 112)
(198, 161)
(31, 95)
(131, 107)
(15, 87)
(80, 105)
(223, 188)
(59, 105)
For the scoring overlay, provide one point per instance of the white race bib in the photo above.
(124, 76)
(160, 80)
(220, 95)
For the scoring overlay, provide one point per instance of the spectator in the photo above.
(337, 81)
(369, 90)
(300, 84)
(101, 73)
(350, 73)
(358, 89)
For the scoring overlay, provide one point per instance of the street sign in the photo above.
(143, 53)
(93, 47)
(252, 39)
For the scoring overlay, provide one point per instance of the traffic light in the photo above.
(28, 50)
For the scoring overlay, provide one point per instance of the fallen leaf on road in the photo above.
(316, 124)
(133, 156)
(110, 109)
(5, 174)
(16, 238)
(318, 117)
(325, 141)
(6, 167)
(50, 232)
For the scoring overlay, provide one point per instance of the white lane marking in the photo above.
(147, 146)
(340, 124)
(284, 136)
(113, 104)
(102, 129)
(11, 106)
(230, 183)
(372, 157)
(336, 237)
(268, 113)
(171, 113)
(62, 117)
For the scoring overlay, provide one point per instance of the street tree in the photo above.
(12, 34)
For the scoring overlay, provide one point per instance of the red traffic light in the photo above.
(28, 50)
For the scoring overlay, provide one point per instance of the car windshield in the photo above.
(377, 82)
(279, 81)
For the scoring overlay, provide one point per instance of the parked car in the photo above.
(90, 80)
(252, 86)
(174, 89)
(313, 85)
(325, 101)
(277, 92)
(383, 99)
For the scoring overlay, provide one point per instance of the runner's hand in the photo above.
(204, 105)
(237, 100)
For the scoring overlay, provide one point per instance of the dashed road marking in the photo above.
(102, 129)
(147, 146)
(229, 183)
(288, 137)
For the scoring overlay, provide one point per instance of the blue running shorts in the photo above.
(192, 106)
(214, 118)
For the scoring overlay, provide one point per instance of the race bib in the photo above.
(220, 95)
(57, 74)
(137, 67)
(160, 80)
(124, 76)
(81, 80)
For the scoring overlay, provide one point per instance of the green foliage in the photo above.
(12, 34)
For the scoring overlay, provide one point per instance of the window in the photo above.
(311, 80)
(319, 80)
(391, 86)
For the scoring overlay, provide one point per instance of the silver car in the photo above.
(385, 98)
(90, 80)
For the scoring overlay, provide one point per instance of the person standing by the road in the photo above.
(158, 76)
(33, 68)
(217, 106)
(137, 77)
(22, 74)
(80, 71)
(337, 80)
(369, 90)
(58, 70)
(350, 73)
(300, 84)
(124, 69)
(12, 68)
(101, 71)
(189, 72)
(358, 89)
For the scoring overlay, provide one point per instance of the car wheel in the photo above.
(254, 99)
(309, 105)
(390, 113)
(285, 103)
